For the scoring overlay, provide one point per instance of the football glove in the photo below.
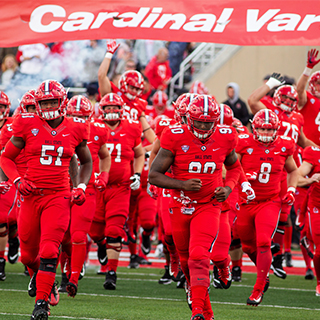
(78, 196)
(246, 188)
(152, 191)
(312, 58)
(101, 181)
(25, 187)
(289, 196)
(135, 185)
(5, 187)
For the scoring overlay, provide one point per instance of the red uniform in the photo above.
(311, 114)
(195, 224)
(152, 112)
(132, 108)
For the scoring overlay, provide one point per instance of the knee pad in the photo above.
(263, 240)
(79, 237)
(114, 231)
(281, 227)
(111, 240)
(168, 240)
(147, 226)
(199, 253)
(48, 265)
(235, 244)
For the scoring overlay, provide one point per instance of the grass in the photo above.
(139, 296)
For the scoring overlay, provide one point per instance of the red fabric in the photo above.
(158, 73)
(233, 174)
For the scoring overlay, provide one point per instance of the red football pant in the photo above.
(194, 236)
(256, 225)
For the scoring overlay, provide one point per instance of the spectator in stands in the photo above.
(145, 50)
(5, 51)
(147, 91)
(177, 52)
(237, 105)
(158, 70)
(9, 67)
(31, 57)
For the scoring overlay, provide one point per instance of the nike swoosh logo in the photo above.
(201, 279)
(89, 142)
(121, 135)
(103, 260)
(14, 257)
(74, 272)
(215, 149)
(65, 135)
(263, 251)
(277, 152)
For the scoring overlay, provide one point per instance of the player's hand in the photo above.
(5, 187)
(101, 181)
(112, 46)
(25, 187)
(299, 223)
(312, 58)
(288, 198)
(315, 177)
(152, 191)
(275, 80)
(246, 188)
(251, 176)
(192, 185)
(135, 185)
(222, 193)
(78, 196)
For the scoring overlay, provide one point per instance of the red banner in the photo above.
(241, 22)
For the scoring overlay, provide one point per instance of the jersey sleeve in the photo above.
(5, 135)
(167, 140)
(82, 129)
(20, 124)
(309, 154)
(242, 143)
(137, 129)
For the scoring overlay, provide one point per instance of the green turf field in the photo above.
(139, 296)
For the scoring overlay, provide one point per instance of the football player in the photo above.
(264, 154)
(160, 106)
(49, 140)
(196, 153)
(124, 144)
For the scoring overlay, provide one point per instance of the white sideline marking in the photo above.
(161, 299)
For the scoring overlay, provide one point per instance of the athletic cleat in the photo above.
(54, 295)
(306, 244)
(174, 266)
(26, 271)
(188, 296)
(103, 270)
(255, 298)
(13, 252)
(63, 284)
(32, 286)
(288, 259)
(166, 278)
(318, 290)
(275, 248)
(82, 272)
(225, 277)
(159, 251)
(102, 254)
(145, 244)
(266, 285)
(236, 274)
(276, 267)
(143, 261)
(176, 277)
(309, 275)
(2, 267)
(134, 262)
(72, 289)
(216, 278)
(181, 282)
(197, 316)
(41, 310)
(111, 279)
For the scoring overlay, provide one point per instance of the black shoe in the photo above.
(102, 254)
(40, 311)
(236, 274)
(63, 284)
(72, 289)
(146, 244)
(144, 261)
(32, 286)
(266, 285)
(277, 268)
(181, 282)
(306, 244)
(2, 267)
(111, 279)
(309, 275)
(288, 259)
(166, 278)
(82, 272)
(134, 263)
(216, 278)
(26, 271)
(275, 248)
(54, 295)
(13, 252)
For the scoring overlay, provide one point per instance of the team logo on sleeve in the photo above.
(35, 131)
(96, 138)
(249, 150)
(185, 148)
(283, 149)
(315, 210)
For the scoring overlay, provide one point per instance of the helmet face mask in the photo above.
(203, 115)
(80, 106)
(111, 108)
(51, 90)
(4, 100)
(131, 84)
(265, 126)
(286, 98)
(314, 84)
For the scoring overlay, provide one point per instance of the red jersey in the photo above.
(20, 160)
(312, 156)
(268, 162)
(162, 124)
(121, 142)
(48, 151)
(311, 114)
(152, 112)
(99, 134)
(193, 159)
(291, 123)
(132, 108)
